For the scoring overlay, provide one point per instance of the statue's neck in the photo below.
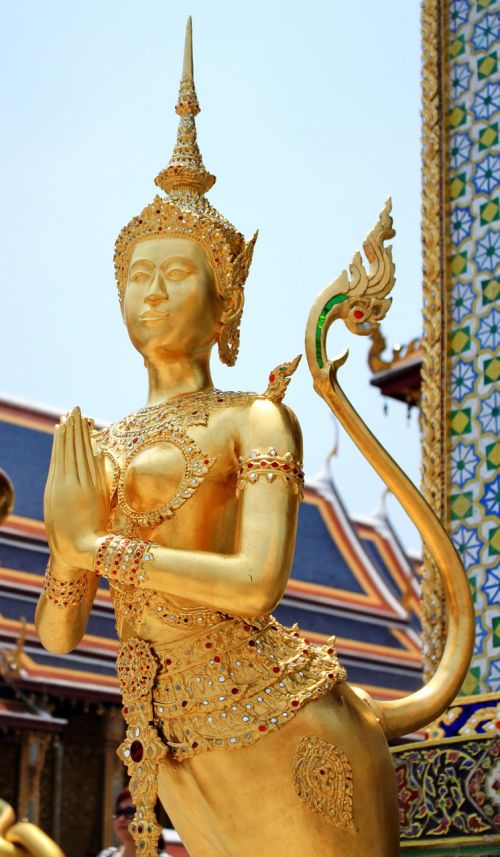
(177, 377)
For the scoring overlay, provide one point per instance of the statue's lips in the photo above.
(154, 315)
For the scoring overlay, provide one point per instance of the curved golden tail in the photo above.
(360, 300)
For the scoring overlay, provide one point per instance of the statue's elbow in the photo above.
(53, 640)
(53, 644)
(262, 598)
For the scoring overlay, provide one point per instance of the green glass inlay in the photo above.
(338, 299)
(496, 632)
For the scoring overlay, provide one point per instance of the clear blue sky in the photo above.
(310, 119)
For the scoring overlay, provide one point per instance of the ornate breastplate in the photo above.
(164, 424)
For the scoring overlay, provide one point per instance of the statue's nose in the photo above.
(157, 291)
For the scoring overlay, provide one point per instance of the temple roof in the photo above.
(351, 577)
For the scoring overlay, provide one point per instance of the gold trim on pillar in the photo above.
(435, 252)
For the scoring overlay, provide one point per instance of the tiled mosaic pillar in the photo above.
(474, 336)
(448, 784)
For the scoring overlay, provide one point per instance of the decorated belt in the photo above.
(230, 685)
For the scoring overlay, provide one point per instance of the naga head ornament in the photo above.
(185, 212)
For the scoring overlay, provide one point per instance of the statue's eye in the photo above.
(139, 277)
(177, 272)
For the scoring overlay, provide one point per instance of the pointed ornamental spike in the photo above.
(186, 171)
(187, 104)
(279, 380)
(187, 67)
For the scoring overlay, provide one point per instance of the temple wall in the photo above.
(474, 336)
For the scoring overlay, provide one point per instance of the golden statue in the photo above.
(23, 839)
(249, 734)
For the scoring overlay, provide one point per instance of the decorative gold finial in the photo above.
(186, 170)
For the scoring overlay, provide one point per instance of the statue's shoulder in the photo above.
(263, 420)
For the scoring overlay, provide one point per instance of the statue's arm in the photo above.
(61, 628)
(76, 509)
(250, 581)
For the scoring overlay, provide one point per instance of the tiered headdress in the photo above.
(185, 212)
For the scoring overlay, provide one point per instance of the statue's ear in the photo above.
(233, 306)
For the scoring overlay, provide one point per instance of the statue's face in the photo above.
(171, 306)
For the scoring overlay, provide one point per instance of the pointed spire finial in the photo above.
(186, 170)
(187, 66)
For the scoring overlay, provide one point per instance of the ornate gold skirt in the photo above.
(254, 743)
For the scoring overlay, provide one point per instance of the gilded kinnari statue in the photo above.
(249, 734)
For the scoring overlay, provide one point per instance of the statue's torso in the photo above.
(172, 476)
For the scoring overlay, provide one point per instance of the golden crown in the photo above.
(185, 212)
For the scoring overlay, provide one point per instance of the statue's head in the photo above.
(185, 214)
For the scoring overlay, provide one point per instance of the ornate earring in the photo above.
(229, 341)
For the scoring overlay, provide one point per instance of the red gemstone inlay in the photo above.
(249, 464)
(208, 645)
(330, 675)
(322, 772)
(217, 659)
(286, 467)
(184, 703)
(234, 690)
(136, 751)
(247, 627)
(295, 702)
(358, 313)
(194, 745)
(263, 463)
(276, 669)
(272, 377)
(262, 728)
(251, 642)
(274, 464)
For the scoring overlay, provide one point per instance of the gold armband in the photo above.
(271, 466)
(123, 560)
(64, 593)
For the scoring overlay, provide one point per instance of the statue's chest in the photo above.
(158, 458)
